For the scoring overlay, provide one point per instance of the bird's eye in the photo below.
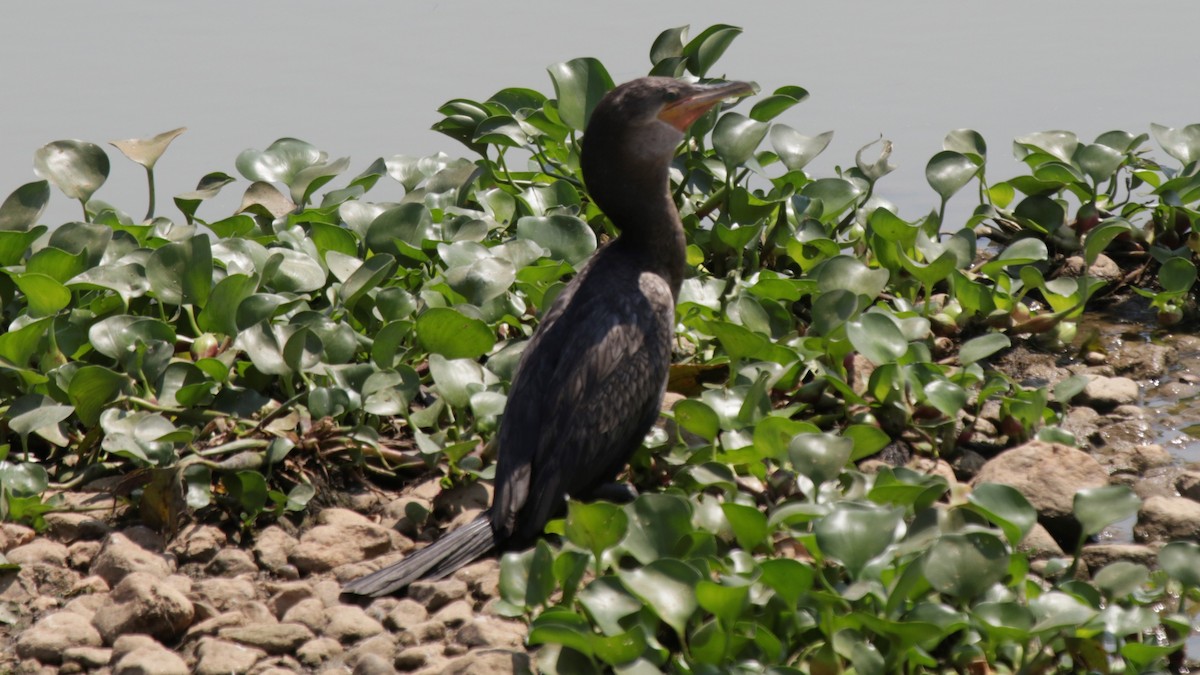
(671, 96)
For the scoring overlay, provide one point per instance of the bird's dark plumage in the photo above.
(591, 380)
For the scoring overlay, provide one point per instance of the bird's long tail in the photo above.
(435, 561)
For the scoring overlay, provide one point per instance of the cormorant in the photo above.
(590, 382)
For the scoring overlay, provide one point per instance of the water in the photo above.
(364, 79)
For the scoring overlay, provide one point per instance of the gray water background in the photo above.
(364, 79)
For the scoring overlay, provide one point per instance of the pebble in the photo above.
(142, 603)
(53, 634)
(39, 551)
(120, 556)
(151, 661)
(219, 657)
(315, 652)
(278, 638)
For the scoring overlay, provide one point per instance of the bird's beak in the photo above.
(681, 113)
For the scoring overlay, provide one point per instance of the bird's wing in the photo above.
(587, 392)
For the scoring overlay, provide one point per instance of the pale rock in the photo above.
(437, 594)
(406, 614)
(218, 657)
(418, 657)
(68, 526)
(1105, 393)
(276, 638)
(47, 639)
(309, 612)
(272, 547)
(315, 652)
(492, 632)
(231, 562)
(88, 658)
(142, 603)
(121, 556)
(81, 554)
(127, 643)
(489, 662)
(151, 661)
(373, 664)
(349, 623)
(286, 594)
(455, 614)
(1168, 519)
(41, 550)
(197, 543)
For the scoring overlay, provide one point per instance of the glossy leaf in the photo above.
(77, 168)
(796, 150)
(21, 209)
(948, 171)
(1097, 508)
(146, 151)
(452, 334)
(579, 84)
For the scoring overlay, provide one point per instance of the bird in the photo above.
(591, 380)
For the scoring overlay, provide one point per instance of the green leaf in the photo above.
(835, 196)
(91, 389)
(229, 292)
(668, 44)
(450, 333)
(982, 347)
(947, 397)
(33, 413)
(565, 237)
(948, 171)
(706, 48)
(770, 107)
(1182, 144)
(877, 338)
(180, 273)
(796, 150)
(848, 273)
(366, 278)
(667, 587)
(697, 418)
(21, 209)
(736, 137)
(749, 525)
(1097, 508)
(789, 578)
(23, 480)
(607, 602)
(596, 526)
(1099, 238)
(820, 456)
(1099, 162)
(77, 168)
(966, 565)
(1006, 507)
(579, 84)
(726, 602)
(1181, 560)
(855, 533)
(44, 295)
(138, 435)
(656, 523)
(965, 141)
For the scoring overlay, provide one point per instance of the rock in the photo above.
(309, 612)
(488, 662)
(1149, 456)
(39, 551)
(1096, 556)
(67, 526)
(230, 562)
(81, 554)
(13, 535)
(151, 661)
(53, 634)
(328, 591)
(373, 664)
(120, 556)
(348, 623)
(142, 603)
(1168, 519)
(1048, 475)
(437, 594)
(127, 643)
(406, 614)
(325, 547)
(223, 594)
(197, 543)
(428, 631)
(1188, 484)
(455, 614)
(218, 657)
(418, 657)
(88, 658)
(482, 577)
(1105, 393)
(1039, 544)
(315, 652)
(1084, 422)
(383, 644)
(211, 625)
(86, 605)
(492, 632)
(276, 638)
(272, 547)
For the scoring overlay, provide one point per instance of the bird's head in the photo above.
(634, 131)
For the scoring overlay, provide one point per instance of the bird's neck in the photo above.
(651, 231)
